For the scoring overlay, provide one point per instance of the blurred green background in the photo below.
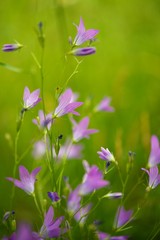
(125, 67)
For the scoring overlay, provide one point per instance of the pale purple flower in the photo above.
(51, 228)
(104, 105)
(42, 120)
(66, 104)
(106, 236)
(83, 35)
(122, 217)
(74, 199)
(80, 130)
(30, 99)
(106, 155)
(154, 177)
(154, 157)
(92, 180)
(53, 196)
(11, 47)
(68, 151)
(81, 215)
(39, 149)
(27, 180)
(83, 51)
(113, 195)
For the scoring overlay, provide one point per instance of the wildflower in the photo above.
(104, 105)
(92, 180)
(30, 99)
(80, 130)
(39, 149)
(27, 180)
(122, 217)
(106, 155)
(82, 213)
(74, 199)
(66, 104)
(154, 177)
(83, 51)
(11, 47)
(106, 236)
(42, 120)
(83, 35)
(51, 228)
(53, 196)
(113, 195)
(154, 157)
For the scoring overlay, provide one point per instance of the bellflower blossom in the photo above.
(154, 177)
(154, 157)
(66, 104)
(74, 199)
(80, 130)
(106, 155)
(11, 47)
(122, 217)
(83, 35)
(39, 149)
(51, 228)
(83, 51)
(104, 105)
(92, 180)
(81, 215)
(27, 180)
(42, 120)
(30, 99)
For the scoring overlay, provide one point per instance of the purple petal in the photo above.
(35, 172)
(153, 174)
(23, 173)
(26, 94)
(16, 182)
(123, 217)
(49, 216)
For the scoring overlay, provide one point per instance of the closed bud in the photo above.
(83, 51)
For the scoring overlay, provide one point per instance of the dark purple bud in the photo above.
(53, 196)
(11, 47)
(83, 51)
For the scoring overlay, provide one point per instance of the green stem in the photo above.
(37, 205)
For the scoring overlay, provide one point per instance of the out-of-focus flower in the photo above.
(30, 99)
(39, 149)
(104, 105)
(11, 47)
(154, 157)
(83, 35)
(53, 196)
(154, 177)
(74, 199)
(81, 215)
(51, 228)
(80, 130)
(92, 180)
(106, 155)
(66, 104)
(27, 180)
(106, 236)
(43, 121)
(68, 151)
(83, 51)
(122, 217)
(113, 195)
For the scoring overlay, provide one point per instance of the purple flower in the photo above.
(113, 195)
(42, 120)
(69, 152)
(81, 215)
(154, 177)
(92, 180)
(27, 180)
(154, 157)
(104, 105)
(83, 35)
(122, 217)
(74, 199)
(80, 130)
(106, 236)
(39, 149)
(106, 155)
(30, 99)
(53, 196)
(51, 228)
(83, 51)
(66, 104)
(11, 47)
